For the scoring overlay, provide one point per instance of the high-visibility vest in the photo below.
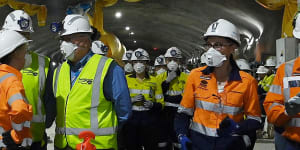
(267, 82)
(286, 84)
(34, 78)
(176, 86)
(84, 107)
(149, 87)
(208, 107)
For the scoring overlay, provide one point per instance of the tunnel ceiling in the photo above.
(164, 23)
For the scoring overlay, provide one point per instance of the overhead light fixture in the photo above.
(134, 41)
(131, 33)
(118, 14)
(127, 28)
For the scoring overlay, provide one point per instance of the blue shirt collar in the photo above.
(82, 62)
(234, 74)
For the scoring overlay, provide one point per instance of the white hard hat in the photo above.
(243, 64)
(160, 60)
(127, 55)
(262, 70)
(75, 23)
(18, 20)
(203, 58)
(223, 28)
(296, 31)
(140, 54)
(173, 52)
(99, 48)
(9, 41)
(271, 61)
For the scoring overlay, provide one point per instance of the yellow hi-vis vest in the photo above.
(176, 86)
(84, 107)
(149, 87)
(34, 78)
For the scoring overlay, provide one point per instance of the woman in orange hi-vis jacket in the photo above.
(218, 96)
(15, 113)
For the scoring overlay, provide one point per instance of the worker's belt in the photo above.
(168, 104)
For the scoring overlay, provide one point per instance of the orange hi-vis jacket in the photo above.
(15, 112)
(208, 107)
(286, 84)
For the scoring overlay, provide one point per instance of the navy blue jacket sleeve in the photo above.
(181, 123)
(49, 99)
(116, 90)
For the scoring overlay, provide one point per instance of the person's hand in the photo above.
(227, 127)
(292, 106)
(137, 98)
(171, 76)
(148, 104)
(8, 141)
(184, 140)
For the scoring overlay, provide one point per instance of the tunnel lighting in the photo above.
(131, 33)
(118, 14)
(134, 41)
(127, 28)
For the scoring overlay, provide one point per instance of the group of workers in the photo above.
(215, 107)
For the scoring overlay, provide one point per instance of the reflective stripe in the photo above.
(76, 131)
(294, 122)
(171, 93)
(56, 79)
(1, 142)
(139, 108)
(38, 118)
(139, 91)
(6, 76)
(17, 127)
(2, 145)
(219, 108)
(26, 124)
(177, 145)
(162, 144)
(203, 130)
(15, 97)
(275, 89)
(288, 70)
(274, 104)
(172, 104)
(187, 111)
(254, 118)
(26, 142)
(159, 96)
(96, 94)
(42, 80)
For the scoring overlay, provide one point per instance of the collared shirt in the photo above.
(234, 74)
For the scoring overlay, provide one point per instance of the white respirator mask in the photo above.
(128, 67)
(68, 49)
(214, 58)
(139, 67)
(28, 60)
(172, 66)
(160, 71)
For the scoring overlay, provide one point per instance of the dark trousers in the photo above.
(140, 131)
(38, 145)
(203, 142)
(167, 133)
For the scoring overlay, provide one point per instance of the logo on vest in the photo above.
(30, 72)
(85, 81)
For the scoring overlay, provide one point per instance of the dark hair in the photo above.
(6, 59)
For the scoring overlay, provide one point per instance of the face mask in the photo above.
(160, 71)
(128, 67)
(172, 66)
(214, 58)
(68, 49)
(139, 67)
(28, 60)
